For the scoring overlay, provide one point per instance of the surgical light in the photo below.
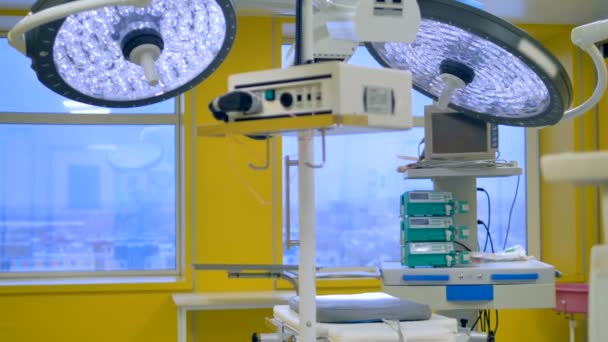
(494, 71)
(125, 53)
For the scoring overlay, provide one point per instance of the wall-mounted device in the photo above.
(383, 95)
(451, 135)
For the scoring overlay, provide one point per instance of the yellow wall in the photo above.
(231, 226)
(570, 214)
(234, 225)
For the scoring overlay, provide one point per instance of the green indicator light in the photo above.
(270, 95)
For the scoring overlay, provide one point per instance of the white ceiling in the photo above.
(519, 11)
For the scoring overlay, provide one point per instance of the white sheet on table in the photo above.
(437, 329)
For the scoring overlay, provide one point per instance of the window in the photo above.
(358, 192)
(23, 82)
(100, 195)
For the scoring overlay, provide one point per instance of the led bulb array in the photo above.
(503, 84)
(88, 54)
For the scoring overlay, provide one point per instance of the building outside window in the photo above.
(83, 189)
(358, 191)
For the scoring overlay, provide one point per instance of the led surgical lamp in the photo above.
(487, 68)
(125, 53)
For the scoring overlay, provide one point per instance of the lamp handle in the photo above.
(586, 37)
(16, 36)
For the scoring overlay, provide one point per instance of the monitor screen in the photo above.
(419, 195)
(419, 221)
(457, 133)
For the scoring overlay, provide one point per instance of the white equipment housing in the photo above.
(588, 168)
(325, 46)
(382, 95)
(499, 285)
(373, 20)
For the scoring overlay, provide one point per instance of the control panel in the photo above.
(383, 95)
(304, 98)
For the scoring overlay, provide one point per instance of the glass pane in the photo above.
(87, 198)
(358, 194)
(20, 81)
(502, 191)
(363, 57)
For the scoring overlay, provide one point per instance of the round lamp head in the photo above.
(125, 56)
(509, 77)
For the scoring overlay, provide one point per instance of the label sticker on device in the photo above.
(378, 100)
(432, 248)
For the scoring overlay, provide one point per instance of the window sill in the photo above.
(102, 284)
(231, 300)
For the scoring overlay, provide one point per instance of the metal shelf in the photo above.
(332, 125)
(477, 173)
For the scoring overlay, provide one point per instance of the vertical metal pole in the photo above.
(307, 285)
(306, 193)
(182, 325)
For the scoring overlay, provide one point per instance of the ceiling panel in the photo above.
(572, 12)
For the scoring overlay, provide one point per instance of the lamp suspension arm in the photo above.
(586, 37)
(299, 31)
(16, 36)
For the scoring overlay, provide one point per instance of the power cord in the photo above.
(496, 327)
(488, 237)
(511, 214)
(485, 246)
(463, 246)
(489, 206)
(476, 321)
(484, 318)
(420, 153)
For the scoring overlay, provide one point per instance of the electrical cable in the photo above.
(488, 322)
(485, 246)
(485, 243)
(241, 177)
(420, 156)
(476, 321)
(496, 327)
(511, 214)
(489, 206)
(463, 245)
(396, 326)
(485, 320)
(488, 236)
